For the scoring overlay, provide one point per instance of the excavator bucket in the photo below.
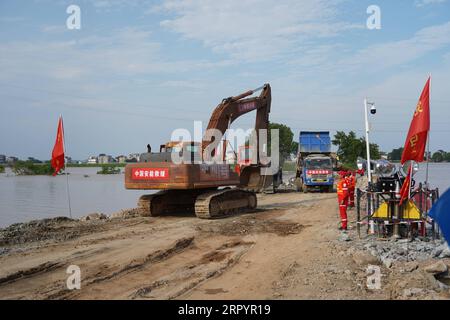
(251, 179)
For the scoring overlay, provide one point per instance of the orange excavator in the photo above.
(209, 190)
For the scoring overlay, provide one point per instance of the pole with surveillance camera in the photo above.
(373, 110)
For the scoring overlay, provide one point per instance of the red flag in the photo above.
(404, 191)
(418, 131)
(58, 150)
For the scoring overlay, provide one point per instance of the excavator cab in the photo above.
(181, 151)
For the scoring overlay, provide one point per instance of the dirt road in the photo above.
(287, 249)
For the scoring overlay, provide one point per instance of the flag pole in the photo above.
(428, 143)
(65, 168)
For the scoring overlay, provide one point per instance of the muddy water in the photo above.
(24, 198)
(34, 197)
(438, 175)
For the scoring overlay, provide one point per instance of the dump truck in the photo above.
(209, 190)
(314, 167)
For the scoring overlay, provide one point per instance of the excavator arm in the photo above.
(233, 107)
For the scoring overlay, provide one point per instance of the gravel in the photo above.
(404, 250)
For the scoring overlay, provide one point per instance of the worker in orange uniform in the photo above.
(351, 179)
(342, 193)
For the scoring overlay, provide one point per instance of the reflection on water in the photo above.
(24, 198)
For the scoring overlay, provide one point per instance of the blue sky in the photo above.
(139, 69)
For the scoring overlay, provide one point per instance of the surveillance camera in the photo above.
(373, 109)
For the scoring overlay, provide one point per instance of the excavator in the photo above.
(209, 190)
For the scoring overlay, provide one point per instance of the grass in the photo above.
(109, 169)
(27, 168)
(95, 165)
(2, 169)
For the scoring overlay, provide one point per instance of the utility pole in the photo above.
(373, 110)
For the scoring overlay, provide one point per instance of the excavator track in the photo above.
(206, 205)
(152, 204)
(167, 201)
(220, 203)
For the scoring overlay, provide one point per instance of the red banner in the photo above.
(150, 173)
(318, 171)
(58, 160)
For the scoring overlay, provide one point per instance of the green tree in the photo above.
(447, 157)
(395, 154)
(286, 143)
(294, 148)
(350, 147)
(30, 168)
(438, 156)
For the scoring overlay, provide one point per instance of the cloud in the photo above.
(395, 53)
(422, 3)
(54, 29)
(117, 4)
(250, 29)
(182, 84)
(11, 19)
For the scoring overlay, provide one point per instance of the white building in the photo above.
(92, 160)
(105, 158)
(121, 159)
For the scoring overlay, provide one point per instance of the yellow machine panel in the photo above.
(410, 211)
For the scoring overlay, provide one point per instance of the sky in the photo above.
(136, 70)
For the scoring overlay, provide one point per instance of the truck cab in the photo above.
(317, 173)
(314, 162)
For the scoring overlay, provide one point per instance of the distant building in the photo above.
(104, 158)
(12, 159)
(133, 157)
(92, 160)
(121, 159)
(2, 158)
(34, 160)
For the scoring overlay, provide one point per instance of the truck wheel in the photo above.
(330, 189)
(304, 188)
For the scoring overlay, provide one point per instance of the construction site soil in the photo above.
(289, 248)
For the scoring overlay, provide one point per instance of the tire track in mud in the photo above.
(154, 257)
(39, 269)
(48, 266)
(188, 277)
(135, 265)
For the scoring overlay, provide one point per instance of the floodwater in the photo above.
(25, 198)
(438, 175)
